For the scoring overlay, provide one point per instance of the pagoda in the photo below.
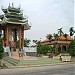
(12, 26)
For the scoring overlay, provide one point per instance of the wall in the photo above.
(30, 51)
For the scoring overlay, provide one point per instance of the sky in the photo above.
(45, 16)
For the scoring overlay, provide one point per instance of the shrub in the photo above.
(1, 49)
(43, 49)
(71, 49)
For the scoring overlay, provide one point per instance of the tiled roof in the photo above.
(62, 37)
(69, 38)
(53, 42)
(44, 41)
(61, 41)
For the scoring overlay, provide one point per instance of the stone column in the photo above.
(10, 34)
(7, 36)
(22, 32)
(66, 48)
(19, 37)
(61, 48)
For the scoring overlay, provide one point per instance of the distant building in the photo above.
(62, 42)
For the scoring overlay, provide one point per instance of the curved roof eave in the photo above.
(26, 26)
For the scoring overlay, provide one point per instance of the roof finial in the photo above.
(19, 6)
(9, 4)
(1, 7)
(12, 5)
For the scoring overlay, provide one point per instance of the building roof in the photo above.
(15, 16)
(69, 38)
(62, 40)
(62, 37)
(54, 42)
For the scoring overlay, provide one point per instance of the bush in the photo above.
(1, 49)
(56, 51)
(71, 49)
(43, 49)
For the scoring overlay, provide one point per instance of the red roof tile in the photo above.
(62, 37)
(61, 41)
(69, 38)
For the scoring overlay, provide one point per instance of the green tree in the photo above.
(1, 49)
(51, 49)
(65, 35)
(26, 42)
(60, 32)
(56, 46)
(43, 49)
(49, 37)
(56, 36)
(39, 50)
(72, 48)
(71, 31)
(35, 41)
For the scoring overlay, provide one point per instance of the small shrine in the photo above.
(12, 26)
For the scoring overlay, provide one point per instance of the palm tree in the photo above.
(38, 42)
(65, 35)
(72, 31)
(35, 41)
(60, 32)
(26, 42)
(56, 36)
(49, 37)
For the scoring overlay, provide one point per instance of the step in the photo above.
(7, 64)
(11, 60)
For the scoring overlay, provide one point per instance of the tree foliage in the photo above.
(72, 48)
(1, 49)
(56, 47)
(43, 49)
(60, 32)
(65, 35)
(56, 36)
(26, 42)
(71, 31)
(35, 41)
(49, 37)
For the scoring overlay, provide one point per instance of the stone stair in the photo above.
(10, 62)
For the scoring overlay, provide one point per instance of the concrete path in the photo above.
(67, 69)
(32, 62)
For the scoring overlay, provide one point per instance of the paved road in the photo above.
(67, 69)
